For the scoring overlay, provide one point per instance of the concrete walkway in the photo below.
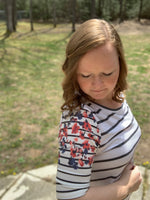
(39, 184)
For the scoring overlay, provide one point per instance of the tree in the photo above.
(93, 9)
(73, 6)
(100, 8)
(54, 14)
(140, 10)
(31, 16)
(121, 14)
(14, 14)
(10, 10)
(46, 10)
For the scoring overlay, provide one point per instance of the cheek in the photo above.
(116, 79)
(83, 84)
(113, 80)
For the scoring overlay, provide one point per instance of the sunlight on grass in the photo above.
(31, 94)
(138, 59)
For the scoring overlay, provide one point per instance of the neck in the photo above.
(109, 103)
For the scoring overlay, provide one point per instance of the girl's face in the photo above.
(98, 72)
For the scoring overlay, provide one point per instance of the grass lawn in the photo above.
(31, 94)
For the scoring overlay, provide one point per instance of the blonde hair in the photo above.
(89, 35)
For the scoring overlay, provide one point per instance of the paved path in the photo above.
(39, 184)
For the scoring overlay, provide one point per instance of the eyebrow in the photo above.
(88, 73)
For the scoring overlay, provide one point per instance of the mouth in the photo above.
(98, 91)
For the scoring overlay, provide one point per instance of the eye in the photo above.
(85, 76)
(109, 74)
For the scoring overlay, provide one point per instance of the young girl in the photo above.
(98, 132)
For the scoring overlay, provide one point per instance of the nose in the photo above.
(97, 81)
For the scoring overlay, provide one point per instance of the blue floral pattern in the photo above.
(76, 138)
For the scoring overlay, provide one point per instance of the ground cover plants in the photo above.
(31, 94)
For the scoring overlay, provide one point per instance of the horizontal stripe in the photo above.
(68, 166)
(119, 145)
(108, 177)
(66, 191)
(81, 175)
(67, 150)
(79, 123)
(76, 135)
(68, 181)
(75, 115)
(119, 157)
(115, 124)
(118, 133)
(108, 169)
(103, 120)
(97, 112)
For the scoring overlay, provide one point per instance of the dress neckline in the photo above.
(112, 109)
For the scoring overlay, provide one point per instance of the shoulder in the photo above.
(82, 119)
(86, 112)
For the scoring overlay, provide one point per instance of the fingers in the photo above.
(133, 166)
(130, 166)
(138, 172)
(138, 175)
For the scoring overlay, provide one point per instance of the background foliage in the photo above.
(30, 76)
(107, 9)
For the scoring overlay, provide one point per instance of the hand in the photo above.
(131, 178)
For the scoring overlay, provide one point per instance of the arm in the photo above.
(79, 139)
(128, 183)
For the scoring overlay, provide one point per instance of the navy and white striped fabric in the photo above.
(96, 144)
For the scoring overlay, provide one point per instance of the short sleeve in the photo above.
(79, 139)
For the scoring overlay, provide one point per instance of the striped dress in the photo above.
(96, 144)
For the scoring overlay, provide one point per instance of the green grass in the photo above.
(31, 94)
(138, 59)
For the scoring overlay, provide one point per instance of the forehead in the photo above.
(102, 58)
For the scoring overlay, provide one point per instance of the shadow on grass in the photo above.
(3, 50)
(34, 32)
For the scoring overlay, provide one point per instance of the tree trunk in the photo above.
(46, 10)
(100, 8)
(31, 16)
(140, 10)
(14, 15)
(93, 9)
(121, 14)
(10, 10)
(73, 5)
(54, 14)
(110, 7)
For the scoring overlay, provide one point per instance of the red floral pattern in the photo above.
(87, 126)
(75, 128)
(77, 138)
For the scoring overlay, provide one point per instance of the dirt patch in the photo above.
(28, 129)
(133, 27)
(34, 153)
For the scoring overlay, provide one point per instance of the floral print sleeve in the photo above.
(79, 139)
